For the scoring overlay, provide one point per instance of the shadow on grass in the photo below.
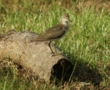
(84, 72)
(78, 71)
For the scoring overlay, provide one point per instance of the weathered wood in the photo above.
(35, 56)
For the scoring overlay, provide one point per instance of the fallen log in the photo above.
(35, 56)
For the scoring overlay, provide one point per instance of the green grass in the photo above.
(88, 38)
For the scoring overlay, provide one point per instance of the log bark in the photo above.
(35, 56)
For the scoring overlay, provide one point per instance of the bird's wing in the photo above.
(55, 28)
(53, 33)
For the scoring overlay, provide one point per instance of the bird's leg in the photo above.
(56, 52)
(51, 47)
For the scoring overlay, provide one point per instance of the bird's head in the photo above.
(65, 19)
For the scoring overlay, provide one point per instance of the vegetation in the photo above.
(87, 43)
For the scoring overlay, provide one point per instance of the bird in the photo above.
(54, 33)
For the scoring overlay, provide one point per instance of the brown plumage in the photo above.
(54, 33)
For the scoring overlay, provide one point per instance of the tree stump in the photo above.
(35, 56)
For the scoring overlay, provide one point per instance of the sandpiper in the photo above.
(54, 33)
